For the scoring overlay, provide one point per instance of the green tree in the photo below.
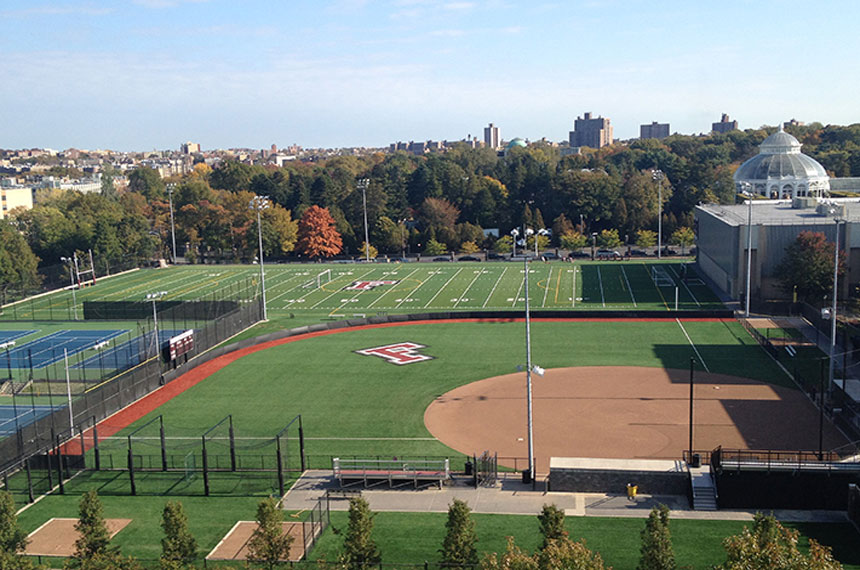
(365, 251)
(359, 549)
(146, 181)
(504, 244)
(563, 554)
(178, 547)
(458, 548)
(551, 524)
(92, 548)
(656, 551)
(770, 546)
(18, 265)
(434, 247)
(269, 544)
(808, 267)
(573, 240)
(12, 538)
(469, 247)
(514, 558)
(608, 238)
(646, 238)
(108, 188)
(683, 237)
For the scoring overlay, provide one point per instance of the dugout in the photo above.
(603, 475)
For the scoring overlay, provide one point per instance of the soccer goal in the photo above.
(319, 280)
(661, 277)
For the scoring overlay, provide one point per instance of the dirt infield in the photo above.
(234, 546)
(623, 412)
(57, 536)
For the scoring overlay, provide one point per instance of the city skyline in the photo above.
(149, 74)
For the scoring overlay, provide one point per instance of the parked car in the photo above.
(494, 255)
(442, 258)
(638, 253)
(608, 254)
(668, 251)
(468, 258)
(579, 254)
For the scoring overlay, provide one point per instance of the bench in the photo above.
(396, 473)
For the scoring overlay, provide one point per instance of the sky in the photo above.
(152, 74)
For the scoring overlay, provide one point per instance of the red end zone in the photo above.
(133, 412)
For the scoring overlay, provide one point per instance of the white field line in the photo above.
(410, 292)
(493, 290)
(386, 293)
(546, 289)
(629, 288)
(600, 282)
(287, 291)
(477, 276)
(355, 295)
(702, 360)
(519, 290)
(210, 281)
(324, 299)
(685, 286)
(442, 287)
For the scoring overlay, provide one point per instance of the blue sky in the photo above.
(151, 74)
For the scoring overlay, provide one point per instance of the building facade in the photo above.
(654, 131)
(491, 136)
(591, 132)
(12, 197)
(725, 125)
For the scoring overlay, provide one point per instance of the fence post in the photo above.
(301, 443)
(96, 452)
(131, 469)
(30, 496)
(60, 465)
(163, 445)
(232, 446)
(205, 469)
(280, 466)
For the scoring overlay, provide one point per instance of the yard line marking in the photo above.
(409, 293)
(392, 289)
(324, 299)
(442, 287)
(519, 290)
(496, 284)
(546, 289)
(467, 288)
(659, 292)
(702, 360)
(685, 286)
(557, 286)
(629, 288)
(600, 281)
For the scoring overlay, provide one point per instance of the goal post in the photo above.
(319, 279)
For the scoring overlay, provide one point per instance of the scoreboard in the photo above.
(180, 344)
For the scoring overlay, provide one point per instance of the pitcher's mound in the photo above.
(624, 412)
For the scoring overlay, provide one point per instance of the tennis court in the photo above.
(126, 354)
(50, 349)
(13, 417)
(10, 336)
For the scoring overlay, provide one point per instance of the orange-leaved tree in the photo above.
(318, 236)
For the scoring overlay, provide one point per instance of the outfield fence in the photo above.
(75, 407)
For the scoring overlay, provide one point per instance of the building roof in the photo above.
(516, 142)
(780, 158)
(780, 213)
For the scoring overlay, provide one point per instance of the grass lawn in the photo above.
(413, 537)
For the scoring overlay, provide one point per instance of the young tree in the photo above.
(808, 266)
(514, 558)
(12, 538)
(551, 524)
(359, 549)
(564, 553)
(771, 546)
(656, 552)
(573, 240)
(504, 244)
(683, 237)
(269, 544)
(458, 548)
(608, 238)
(469, 247)
(18, 265)
(364, 249)
(646, 238)
(178, 547)
(434, 247)
(94, 540)
(318, 236)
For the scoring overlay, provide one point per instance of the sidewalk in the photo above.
(511, 496)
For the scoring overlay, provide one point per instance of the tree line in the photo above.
(419, 204)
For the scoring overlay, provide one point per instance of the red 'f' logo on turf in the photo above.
(367, 285)
(399, 353)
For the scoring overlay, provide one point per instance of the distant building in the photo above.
(792, 123)
(594, 133)
(491, 136)
(14, 196)
(725, 125)
(654, 131)
(190, 148)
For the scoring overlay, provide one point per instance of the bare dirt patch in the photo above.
(57, 536)
(234, 546)
(623, 412)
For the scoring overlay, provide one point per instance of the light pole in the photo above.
(260, 203)
(363, 184)
(746, 192)
(540, 232)
(657, 176)
(833, 309)
(514, 233)
(170, 188)
(593, 244)
(154, 297)
(531, 458)
(70, 261)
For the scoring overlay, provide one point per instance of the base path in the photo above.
(623, 412)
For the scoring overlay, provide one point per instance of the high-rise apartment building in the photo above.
(725, 125)
(491, 136)
(590, 132)
(654, 131)
(190, 148)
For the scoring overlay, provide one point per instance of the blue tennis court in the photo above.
(49, 349)
(127, 354)
(26, 415)
(8, 336)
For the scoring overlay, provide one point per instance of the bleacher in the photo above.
(394, 473)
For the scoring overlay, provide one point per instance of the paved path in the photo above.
(511, 496)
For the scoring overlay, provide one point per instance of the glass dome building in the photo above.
(781, 171)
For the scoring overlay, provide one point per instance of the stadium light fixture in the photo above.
(657, 176)
(363, 184)
(170, 188)
(71, 261)
(154, 297)
(531, 458)
(835, 213)
(260, 203)
(747, 187)
(514, 233)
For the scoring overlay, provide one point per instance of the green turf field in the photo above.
(326, 290)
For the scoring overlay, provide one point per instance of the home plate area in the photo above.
(234, 546)
(57, 536)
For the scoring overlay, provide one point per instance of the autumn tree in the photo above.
(683, 237)
(504, 244)
(359, 548)
(770, 546)
(551, 520)
(572, 240)
(563, 553)
(646, 238)
(608, 238)
(178, 547)
(656, 552)
(269, 544)
(317, 234)
(808, 267)
(514, 558)
(458, 548)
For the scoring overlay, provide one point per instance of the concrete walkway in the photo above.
(511, 496)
